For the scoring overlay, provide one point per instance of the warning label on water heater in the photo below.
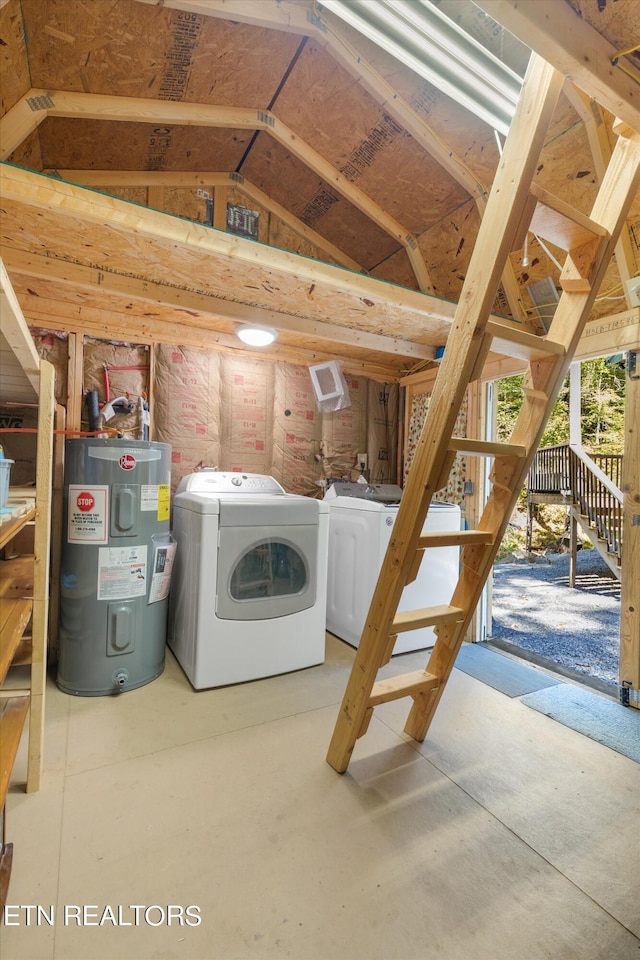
(87, 514)
(122, 572)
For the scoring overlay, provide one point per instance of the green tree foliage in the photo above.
(602, 408)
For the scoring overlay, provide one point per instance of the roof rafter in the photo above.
(299, 19)
(90, 106)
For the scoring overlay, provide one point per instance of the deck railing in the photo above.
(590, 481)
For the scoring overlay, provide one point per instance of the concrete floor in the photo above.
(503, 835)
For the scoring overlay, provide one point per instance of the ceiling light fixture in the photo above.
(255, 336)
(436, 48)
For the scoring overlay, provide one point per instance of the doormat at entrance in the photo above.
(603, 720)
(500, 672)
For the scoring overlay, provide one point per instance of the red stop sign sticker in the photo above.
(127, 461)
(85, 501)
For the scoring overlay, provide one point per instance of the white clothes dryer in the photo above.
(361, 519)
(248, 588)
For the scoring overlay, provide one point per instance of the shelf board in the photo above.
(13, 712)
(14, 617)
(16, 577)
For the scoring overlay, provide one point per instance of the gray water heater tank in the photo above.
(117, 556)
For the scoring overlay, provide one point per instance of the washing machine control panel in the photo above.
(215, 482)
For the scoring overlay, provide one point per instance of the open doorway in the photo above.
(556, 585)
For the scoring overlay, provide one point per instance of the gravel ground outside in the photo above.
(535, 609)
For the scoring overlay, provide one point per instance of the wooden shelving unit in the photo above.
(24, 579)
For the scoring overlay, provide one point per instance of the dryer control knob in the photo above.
(236, 481)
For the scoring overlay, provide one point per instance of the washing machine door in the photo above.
(265, 570)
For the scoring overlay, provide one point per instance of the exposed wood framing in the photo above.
(42, 547)
(260, 276)
(614, 334)
(590, 113)
(74, 379)
(77, 276)
(564, 39)
(332, 37)
(99, 107)
(219, 182)
(629, 601)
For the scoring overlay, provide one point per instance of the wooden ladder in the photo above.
(515, 205)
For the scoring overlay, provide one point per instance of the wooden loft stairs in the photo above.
(513, 204)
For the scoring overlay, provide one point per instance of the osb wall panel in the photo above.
(447, 249)
(472, 140)
(184, 56)
(397, 269)
(28, 154)
(318, 204)
(14, 67)
(69, 143)
(367, 145)
(617, 20)
(283, 236)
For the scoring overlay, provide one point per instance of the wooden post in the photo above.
(75, 381)
(41, 575)
(220, 198)
(630, 599)
(56, 530)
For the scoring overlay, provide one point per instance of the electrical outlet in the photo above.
(362, 461)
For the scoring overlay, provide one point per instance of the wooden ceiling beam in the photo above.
(186, 179)
(91, 106)
(89, 278)
(51, 314)
(564, 39)
(43, 193)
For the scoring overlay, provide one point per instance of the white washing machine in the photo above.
(248, 588)
(361, 518)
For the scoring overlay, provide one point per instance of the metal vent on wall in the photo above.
(242, 221)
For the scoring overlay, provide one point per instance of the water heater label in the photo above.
(122, 572)
(87, 514)
(155, 497)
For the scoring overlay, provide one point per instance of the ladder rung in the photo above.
(426, 617)
(455, 538)
(560, 223)
(511, 342)
(485, 448)
(406, 685)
